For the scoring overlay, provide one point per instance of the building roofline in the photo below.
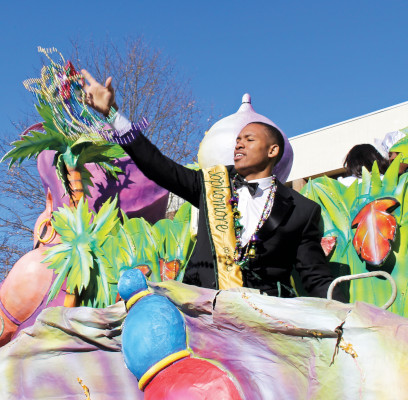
(348, 121)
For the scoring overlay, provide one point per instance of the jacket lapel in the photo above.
(282, 205)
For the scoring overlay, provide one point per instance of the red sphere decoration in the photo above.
(192, 379)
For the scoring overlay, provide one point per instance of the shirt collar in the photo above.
(263, 183)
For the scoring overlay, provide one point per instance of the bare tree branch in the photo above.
(22, 200)
(147, 84)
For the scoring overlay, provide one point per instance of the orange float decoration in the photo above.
(23, 294)
(376, 228)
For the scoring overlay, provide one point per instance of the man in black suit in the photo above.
(280, 227)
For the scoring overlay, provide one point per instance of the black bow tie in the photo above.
(239, 182)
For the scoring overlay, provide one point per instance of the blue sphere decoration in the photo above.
(131, 282)
(153, 329)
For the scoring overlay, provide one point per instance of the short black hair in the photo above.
(275, 135)
(364, 155)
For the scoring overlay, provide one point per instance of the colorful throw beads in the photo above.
(243, 253)
(60, 91)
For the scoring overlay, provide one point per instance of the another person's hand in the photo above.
(100, 98)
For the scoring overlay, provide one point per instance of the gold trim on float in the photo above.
(156, 368)
(136, 298)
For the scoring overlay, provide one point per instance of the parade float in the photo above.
(97, 309)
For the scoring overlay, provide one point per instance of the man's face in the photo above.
(254, 151)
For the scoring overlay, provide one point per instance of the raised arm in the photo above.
(162, 170)
(174, 177)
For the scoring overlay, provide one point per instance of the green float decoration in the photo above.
(340, 206)
(72, 153)
(96, 247)
(160, 251)
(402, 146)
(81, 257)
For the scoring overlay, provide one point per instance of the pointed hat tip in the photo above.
(246, 98)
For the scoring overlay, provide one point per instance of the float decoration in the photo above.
(375, 229)
(154, 345)
(162, 249)
(70, 128)
(95, 247)
(154, 329)
(341, 205)
(80, 258)
(274, 347)
(402, 145)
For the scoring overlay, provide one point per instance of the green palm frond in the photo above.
(81, 254)
(390, 179)
(376, 183)
(61, 271)
(87, 151)
(110, 169)
(186, 241)
(106, 276)
(140, 246)
(166, 241)
(61, 171)
(31, 145)
(401, 146)
(104, 221)
(114, 151)
(82, 262)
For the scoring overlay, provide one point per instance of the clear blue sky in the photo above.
(307, 64)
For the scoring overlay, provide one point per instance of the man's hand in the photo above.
(100, 98)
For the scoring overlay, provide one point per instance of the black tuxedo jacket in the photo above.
(289, 238)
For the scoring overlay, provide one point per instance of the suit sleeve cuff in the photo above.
(121, 124)
(124, 131)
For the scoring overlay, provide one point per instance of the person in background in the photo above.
(362, 155)
(385, 145)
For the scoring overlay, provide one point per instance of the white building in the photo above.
(322, 152)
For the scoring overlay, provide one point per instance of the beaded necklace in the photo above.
(243, 253)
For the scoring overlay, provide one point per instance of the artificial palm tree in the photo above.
(70, 129)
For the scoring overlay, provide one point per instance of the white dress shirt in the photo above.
(251, 207)
(121, 124)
